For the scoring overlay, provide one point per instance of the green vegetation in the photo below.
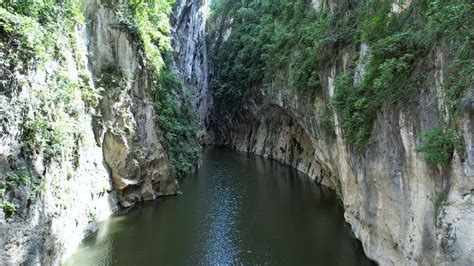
(270, 38)
(38, 29)
(14, 180)
(398, 44)
(40, 137)
(395, 42)
(21, 177)
(176, 116)
(9, 208)
(439, 145)
(452, 22)
(51, 127)
(34, 34)
(148, 22)
(440, 199)
(177, 119)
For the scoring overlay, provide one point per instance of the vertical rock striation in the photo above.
(60, 200)
(127, 128)
(105, 157)
(190, 55)
(388, 191)
(392, 198)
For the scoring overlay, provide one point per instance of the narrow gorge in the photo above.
(106, 104)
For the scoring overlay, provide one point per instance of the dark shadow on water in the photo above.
(237, 209)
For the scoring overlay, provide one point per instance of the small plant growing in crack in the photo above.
(438, 202)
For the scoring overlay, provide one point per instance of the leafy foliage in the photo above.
(439, 145)
(395, 42)
(267, 36)
(51, 128)
(177, 119)
(254, 40)
(452, 21)
(20, 178)
(34, 34)
(9, 208)
(148, 21)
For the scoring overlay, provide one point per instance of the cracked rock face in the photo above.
(388, 190)
(190, 55)
(127, 130)
(120, 161)
(67, 197)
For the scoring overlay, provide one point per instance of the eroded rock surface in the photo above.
(388, 190)
(115, 156)
(404, 210)
(57, 202)
(128, 128)
(190, 55)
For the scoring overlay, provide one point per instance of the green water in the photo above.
(237, 209)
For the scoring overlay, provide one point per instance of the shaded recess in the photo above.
(273, 132)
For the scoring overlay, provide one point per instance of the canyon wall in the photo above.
(78, 131)
(59, 200)
(127, 128)
(390, 194)
(188, 25)
(388, 191)
(79, 137)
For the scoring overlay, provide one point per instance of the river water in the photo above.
(237, 209)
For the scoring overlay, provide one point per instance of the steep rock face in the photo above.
(66, 165)
(131, 141)
(57, 202)
(388, 190)
(392, 197)
(266, 128)
(190, 55)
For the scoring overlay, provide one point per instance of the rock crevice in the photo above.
(392, 197)
(188, 25)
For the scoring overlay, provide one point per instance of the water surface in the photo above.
(237, 209)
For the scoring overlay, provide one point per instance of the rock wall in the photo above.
(115, 157)
(69, 196)
(392, 197)
(190, 55)
(127, 128)
(388, 190)
(267, 129)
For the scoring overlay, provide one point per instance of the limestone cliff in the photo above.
(86, 123)
(78, 127)
(127, 128)
(390, 194)
(57, 197)
(190, 55)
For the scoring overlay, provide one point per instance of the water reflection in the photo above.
(237, 209)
